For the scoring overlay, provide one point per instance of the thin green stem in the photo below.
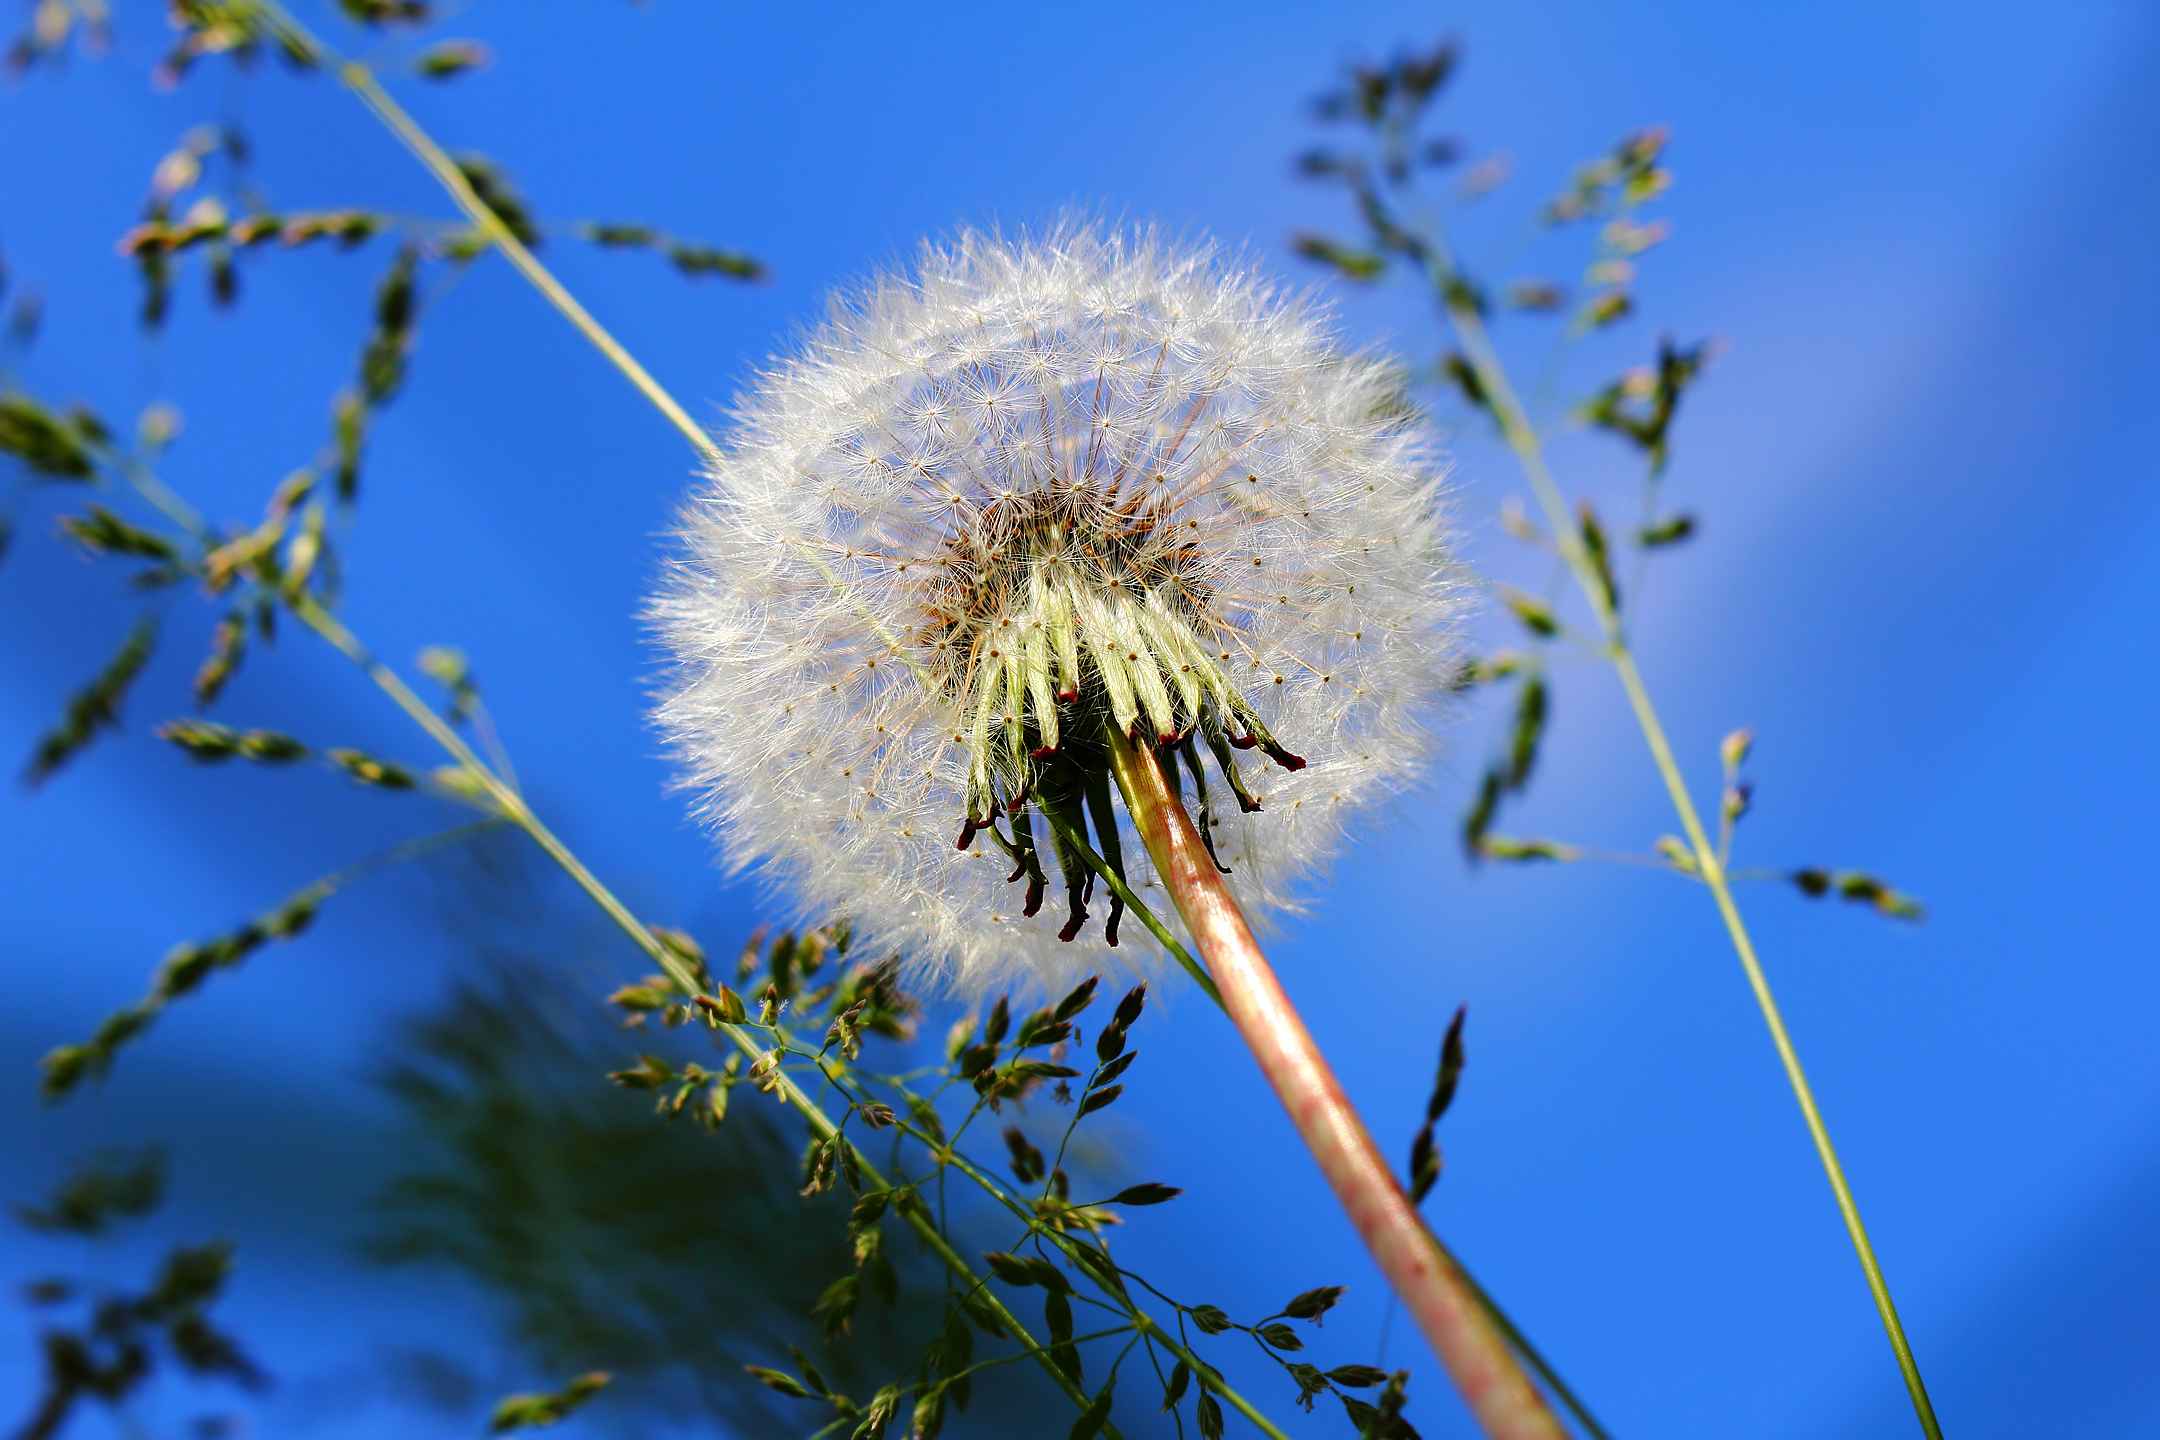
(357, 78)
(491, 740)
(1069, 832)
(1529, 1352)
(1523, 441)
(412, 849)
(1744, 945)
(160, 495)
(944, 1381)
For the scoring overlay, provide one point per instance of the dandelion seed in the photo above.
(1033, 491)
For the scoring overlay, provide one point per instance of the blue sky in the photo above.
(1923, 465)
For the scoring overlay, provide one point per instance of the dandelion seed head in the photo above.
(1032, 488)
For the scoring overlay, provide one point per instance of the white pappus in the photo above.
(1035, 487)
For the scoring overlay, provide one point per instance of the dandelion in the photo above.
(1055, 516)
(1034, 494)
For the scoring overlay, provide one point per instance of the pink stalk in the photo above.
(1500, 1394)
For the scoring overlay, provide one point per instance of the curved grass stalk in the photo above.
(1522, 439)
(359, 79)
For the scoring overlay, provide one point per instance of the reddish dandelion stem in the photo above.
(1501, 1396)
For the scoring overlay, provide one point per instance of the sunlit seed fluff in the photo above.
(1036, 487)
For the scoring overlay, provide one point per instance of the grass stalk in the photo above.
(1522, 439)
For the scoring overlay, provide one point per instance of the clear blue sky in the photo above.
(1925, 579)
